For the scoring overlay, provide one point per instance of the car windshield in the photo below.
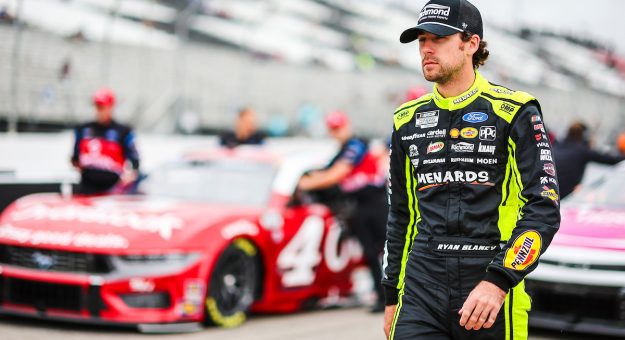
(228, 181)
(608, 191)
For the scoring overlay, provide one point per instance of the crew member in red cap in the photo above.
(355, 170)
(103, 148)
(415, 93)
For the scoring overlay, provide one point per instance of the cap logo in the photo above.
(436, 11)
(464, 25)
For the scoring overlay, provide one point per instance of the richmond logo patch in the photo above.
(434, 11)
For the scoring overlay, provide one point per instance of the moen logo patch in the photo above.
(475, 117)
(524, 251)
(468, 132)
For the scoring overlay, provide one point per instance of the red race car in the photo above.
(211, 238)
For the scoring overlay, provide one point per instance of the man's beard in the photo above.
(445, 74)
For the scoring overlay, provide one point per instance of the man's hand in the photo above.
(389, 314)
(482, 306)
(307, 181)
(323, 179)
(129, 176)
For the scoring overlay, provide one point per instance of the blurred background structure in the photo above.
(186, 66)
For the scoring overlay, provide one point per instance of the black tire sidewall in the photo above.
(215, 313)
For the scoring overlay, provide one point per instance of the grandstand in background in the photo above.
(186, 66)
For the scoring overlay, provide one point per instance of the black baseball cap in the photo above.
(445, 17)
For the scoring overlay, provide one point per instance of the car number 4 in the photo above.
(301, 256)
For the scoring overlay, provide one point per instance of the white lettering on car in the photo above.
(161, 224)
(62, 238)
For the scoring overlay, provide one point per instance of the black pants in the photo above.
(367, 222)
(435, 289)
(94, 181)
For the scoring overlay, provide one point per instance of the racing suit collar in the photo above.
(463, 99)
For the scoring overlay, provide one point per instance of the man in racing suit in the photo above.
(355, 170)
(101, 148)
(473, 192)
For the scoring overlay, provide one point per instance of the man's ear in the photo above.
(473, 44)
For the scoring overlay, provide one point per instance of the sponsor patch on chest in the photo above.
(427, 119)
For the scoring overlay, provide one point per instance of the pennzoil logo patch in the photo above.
(524, 251)
(468, 132)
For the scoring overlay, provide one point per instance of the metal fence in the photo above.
(156, 87)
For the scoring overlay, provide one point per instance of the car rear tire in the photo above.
(233, 285)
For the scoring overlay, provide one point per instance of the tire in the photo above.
(233, 285)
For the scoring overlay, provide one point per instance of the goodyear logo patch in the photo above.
(524, 251)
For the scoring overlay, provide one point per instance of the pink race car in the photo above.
(212, 238)
(579, 285)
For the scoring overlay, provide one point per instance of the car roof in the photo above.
(251, 153)
(270, 151)
(291, 158)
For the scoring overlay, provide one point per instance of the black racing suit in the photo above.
(101, 151)
(230, 140)
(363, 192)
(473, 196)
(572, 157)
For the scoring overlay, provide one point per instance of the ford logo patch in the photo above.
(43, 261)
(475, 117)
